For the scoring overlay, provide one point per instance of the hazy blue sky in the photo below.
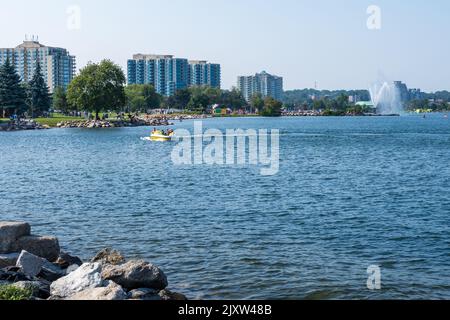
(305, 41)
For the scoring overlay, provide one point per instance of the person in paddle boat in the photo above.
(161, 135)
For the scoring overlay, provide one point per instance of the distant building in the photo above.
(416, 94)
(202, 73)
(58, 66)
(265, 84)
(168, 74)
(402, 90)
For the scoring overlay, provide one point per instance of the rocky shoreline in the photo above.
(147, 121)
(37, 264)
(96, 124)
(22, 125)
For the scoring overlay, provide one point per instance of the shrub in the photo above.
(8, 292)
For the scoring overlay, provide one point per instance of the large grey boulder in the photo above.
(8, 259)
(111, 292)
(44, 247)
(136, 274)
(29, 264)
(88, 276)
(10, 232)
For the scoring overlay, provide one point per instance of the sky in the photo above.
(326, 42)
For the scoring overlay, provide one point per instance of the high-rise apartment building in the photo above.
(402, 90)
(202, 73)
(264, 84)
(58, 66)
(169, 74)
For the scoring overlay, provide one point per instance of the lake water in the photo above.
(351, 193)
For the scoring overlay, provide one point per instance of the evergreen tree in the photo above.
(12, 93)
(39, 100)
(60, 100)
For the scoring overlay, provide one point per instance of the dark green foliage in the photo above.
(272, 108)
(60, 100)
(12, 293)
(12, 92)
(142, 98)
(98, 87)
(38, 96)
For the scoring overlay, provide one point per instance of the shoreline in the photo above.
(34, 267)
(165, 120)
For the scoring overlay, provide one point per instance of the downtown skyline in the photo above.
(299, 46)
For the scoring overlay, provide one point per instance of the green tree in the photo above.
(272, 108)
(142, 98)
(98, 87)
(342, 102)
(214, 95)
(199, 99)
(60, 100)
(181, 99)
(257, 102)
(319, 104)
(233, 99)
(38, 99)
(12, 92)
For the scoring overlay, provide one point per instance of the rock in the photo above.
(8, 260)
(136, 274)
(109, 256)
(65, 260)
(140, 292)
(30, 264)
(10, 232)
(44, 292)
(44, 247)
(88, 276)
(167, 295)
(13, 274)
(51, 272)
(72, 268)
(111, 292)
(144, 294)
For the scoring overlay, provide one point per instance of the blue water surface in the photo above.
(350, 193)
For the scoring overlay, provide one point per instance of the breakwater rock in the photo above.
(96, 124)
(36, 263)
(22, 125)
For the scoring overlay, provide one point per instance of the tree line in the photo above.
(306, 97)
(102, 88)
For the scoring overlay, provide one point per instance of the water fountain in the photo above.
(386, 98)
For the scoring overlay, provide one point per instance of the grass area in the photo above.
(57, 118)
(53, 121)
(12, 293)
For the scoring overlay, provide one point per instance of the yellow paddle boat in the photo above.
(161, 136)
